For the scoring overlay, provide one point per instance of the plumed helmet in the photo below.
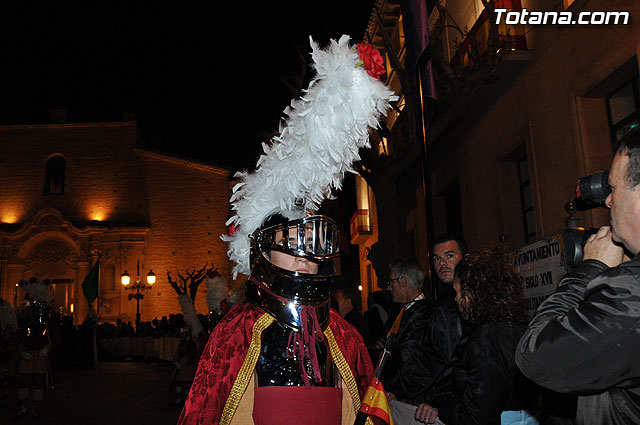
(316, 145)
(285, 292)
(274, 205)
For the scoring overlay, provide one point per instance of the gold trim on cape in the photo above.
(246, 371)
(345, 371)
(251, 359)
(343, 368)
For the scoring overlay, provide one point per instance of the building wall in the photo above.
(188, 206)
(549, 108)
(368, 277)
(103, 179)
(549, 104)
(125, 203)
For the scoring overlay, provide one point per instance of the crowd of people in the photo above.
(167, 326)
(454, 357)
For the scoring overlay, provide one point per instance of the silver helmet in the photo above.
(282, 289)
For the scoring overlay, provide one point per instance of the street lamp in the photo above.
(138, 286)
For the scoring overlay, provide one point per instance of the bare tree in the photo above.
(190, 282)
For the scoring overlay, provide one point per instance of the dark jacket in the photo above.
(412, 325)
(585, 339)
(376, 318)
(485, 379)
(426, 370)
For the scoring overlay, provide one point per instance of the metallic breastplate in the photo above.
(278, 364)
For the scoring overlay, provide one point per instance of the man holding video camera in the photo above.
(585, 338)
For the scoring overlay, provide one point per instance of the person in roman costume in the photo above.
(284, 356)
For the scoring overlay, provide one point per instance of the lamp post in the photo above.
(139, 288)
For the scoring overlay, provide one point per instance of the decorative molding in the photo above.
(51, 257)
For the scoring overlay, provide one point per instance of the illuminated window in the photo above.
(623, 108)
(54, 176)
(526, 197)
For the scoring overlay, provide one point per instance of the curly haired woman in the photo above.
(488, 388)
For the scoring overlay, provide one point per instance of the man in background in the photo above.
(426, 371)
(405, 284)
(347, 300)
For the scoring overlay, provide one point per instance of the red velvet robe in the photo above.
(225, 352)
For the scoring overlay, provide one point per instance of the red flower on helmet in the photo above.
(371, 59)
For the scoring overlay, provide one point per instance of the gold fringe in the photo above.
(345, 371)
(343, 368)
(246, 371)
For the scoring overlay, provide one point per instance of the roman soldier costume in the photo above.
(284, 356)
(33, 346)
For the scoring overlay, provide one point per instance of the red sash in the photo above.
(297, 405)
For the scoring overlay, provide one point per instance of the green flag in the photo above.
(91, 284)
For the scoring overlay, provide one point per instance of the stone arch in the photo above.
(50, 246)
(52, 255)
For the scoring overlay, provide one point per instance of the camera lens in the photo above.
(594, 187)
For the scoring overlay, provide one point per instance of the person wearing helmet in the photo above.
(308, 365)
(283, 356)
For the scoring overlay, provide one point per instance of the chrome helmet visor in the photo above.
(315, 238)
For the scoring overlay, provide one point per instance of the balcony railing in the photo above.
(480, 33)
(360, 226)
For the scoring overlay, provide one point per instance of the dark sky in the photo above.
(202, 79)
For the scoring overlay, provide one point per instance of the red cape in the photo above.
(225, 352)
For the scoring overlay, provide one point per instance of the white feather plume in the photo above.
(317, 144)
(190, 315)
(216, 292)
(235, 297)
(39, 290)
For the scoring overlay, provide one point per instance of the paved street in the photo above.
(112, 393)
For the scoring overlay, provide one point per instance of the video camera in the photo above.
(591, 192)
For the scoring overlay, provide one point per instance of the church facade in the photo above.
(73, 193)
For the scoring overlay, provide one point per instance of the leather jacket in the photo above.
(585, 339)
(412, 324)
(485, 379)
(426, 369)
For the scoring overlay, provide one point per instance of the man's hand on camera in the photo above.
(601, 247)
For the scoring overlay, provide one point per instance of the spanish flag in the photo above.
(374, 402)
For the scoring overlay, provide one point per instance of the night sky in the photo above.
(203, 80)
